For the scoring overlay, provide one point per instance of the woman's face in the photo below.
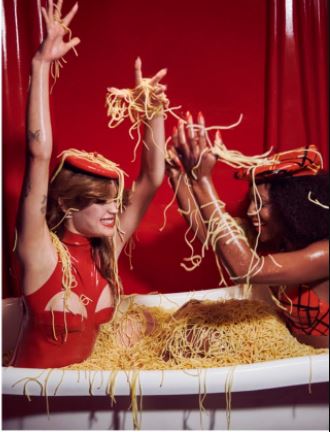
(266, 224)
(97, 219)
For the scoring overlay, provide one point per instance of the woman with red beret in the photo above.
(288, 211)
(72, 229)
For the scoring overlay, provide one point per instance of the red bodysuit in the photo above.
(306, 313)
(42, 347)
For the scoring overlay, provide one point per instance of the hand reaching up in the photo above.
(54, 46)
(190, 144)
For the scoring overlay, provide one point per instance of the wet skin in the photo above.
(261, 215)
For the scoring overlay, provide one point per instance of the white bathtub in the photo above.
(268, 395)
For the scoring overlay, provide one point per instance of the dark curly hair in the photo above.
(302, 221)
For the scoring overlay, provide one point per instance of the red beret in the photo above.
(303, 161)
(91, 165)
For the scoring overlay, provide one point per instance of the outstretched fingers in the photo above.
(154, 81)
(70, 15)
(54, 11)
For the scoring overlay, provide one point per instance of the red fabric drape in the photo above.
(267, 60)
(296, 94)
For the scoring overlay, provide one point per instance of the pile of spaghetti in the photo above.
(199, 335)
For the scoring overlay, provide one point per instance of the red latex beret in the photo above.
(303, 161)
(91, 165)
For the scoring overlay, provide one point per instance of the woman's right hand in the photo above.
(53, 46)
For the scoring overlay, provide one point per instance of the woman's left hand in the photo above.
(192, 147)
(158, 88)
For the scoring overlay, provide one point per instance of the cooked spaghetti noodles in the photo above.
(200, 335)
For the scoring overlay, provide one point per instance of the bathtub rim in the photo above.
(252, 377)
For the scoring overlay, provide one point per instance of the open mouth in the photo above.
(108, 222)
(257, 225)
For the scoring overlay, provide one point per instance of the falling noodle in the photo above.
(15, 240)
(316, 201)
(171, 202)
(228, 392)
(128, 250)
(68, 280)
(202, 393)
(310, 374)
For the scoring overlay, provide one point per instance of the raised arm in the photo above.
(152, 167)
(34, 245)
(181, 184)
(229, 242)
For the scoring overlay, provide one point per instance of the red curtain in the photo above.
(265, 59)
(297, 66)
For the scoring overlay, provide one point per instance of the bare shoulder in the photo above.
(38, 264)
(321, 246)
(318, 254)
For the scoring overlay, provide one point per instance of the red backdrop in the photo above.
(265, 59)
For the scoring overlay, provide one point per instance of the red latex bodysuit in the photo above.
(39, 347)
(306, 313)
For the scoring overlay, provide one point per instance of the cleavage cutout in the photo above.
(74, 304)
(105, 300)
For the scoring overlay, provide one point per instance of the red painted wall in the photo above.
(223, 58)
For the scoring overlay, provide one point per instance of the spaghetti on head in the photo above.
(80, 179)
